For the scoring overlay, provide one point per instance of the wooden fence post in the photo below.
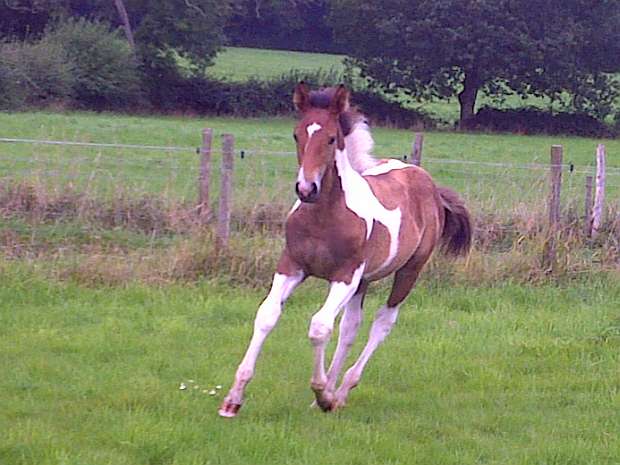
(224, 213)
(416, 153)
(204, 178)
(555, 178)
(587, 226)
(599, 196)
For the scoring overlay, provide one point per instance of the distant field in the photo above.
(240, 64)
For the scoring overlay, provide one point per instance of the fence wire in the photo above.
(263, 183)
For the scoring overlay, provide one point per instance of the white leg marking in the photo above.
(381, 327)
(349, 325)
(266, 319)
(322, 324)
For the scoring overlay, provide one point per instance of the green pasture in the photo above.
(492, 375)
(494, 172)
(241, 63)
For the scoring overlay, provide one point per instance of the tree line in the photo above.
(566, 50)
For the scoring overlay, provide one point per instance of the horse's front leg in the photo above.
(321, 327)
(266, 319)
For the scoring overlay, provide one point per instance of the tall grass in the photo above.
(108, 216)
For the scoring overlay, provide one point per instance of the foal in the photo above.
(357, 220)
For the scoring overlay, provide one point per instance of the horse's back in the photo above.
(410, 189)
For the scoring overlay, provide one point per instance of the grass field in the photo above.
(448, 156)
(98, 328)
(493, 375)
(241, 64)
(500, 373)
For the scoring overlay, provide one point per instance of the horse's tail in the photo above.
(457, 232)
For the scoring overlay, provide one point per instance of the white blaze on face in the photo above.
(312, 128)
(301, 177)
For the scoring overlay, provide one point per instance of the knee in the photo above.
(244, 375)
(319, 332)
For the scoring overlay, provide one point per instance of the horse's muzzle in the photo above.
(308, 194)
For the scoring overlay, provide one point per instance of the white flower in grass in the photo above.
(183, 387)
(218, 387)
(212, 392)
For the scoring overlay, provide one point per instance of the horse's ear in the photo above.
(340, 100)
(301, 96)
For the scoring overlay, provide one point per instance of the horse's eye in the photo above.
(332, 140)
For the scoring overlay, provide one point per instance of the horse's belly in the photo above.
(380, 262)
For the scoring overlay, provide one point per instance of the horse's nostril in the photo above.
(307, 192)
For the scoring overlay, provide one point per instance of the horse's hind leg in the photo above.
(266, 319)
(385, 318)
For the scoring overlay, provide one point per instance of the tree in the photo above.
(165, 29)
(446, 48)
(28, 18)
(124, 18)
(281, 24)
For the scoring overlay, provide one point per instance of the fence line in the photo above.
(249, 174)
(98, 144)
(245, 152)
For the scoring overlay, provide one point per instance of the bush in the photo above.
(385, 112)
(31, 74)
(530, 120)
(271, 98)
(254, 97)
(106, 72)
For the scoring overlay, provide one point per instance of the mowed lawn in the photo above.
(494, 375)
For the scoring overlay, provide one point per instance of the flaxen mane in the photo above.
(358, 140)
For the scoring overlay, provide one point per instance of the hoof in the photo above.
(324, 403)
(229, 410)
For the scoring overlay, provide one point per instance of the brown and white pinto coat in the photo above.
(357, 220)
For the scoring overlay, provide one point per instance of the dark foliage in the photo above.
(384, 112)
(255, 97)
(281, 24)
(438, 49)
(532, 120)
(105, 72)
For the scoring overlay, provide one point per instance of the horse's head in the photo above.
(318, 134)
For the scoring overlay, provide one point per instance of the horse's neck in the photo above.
(332, 189)
(338, 176)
